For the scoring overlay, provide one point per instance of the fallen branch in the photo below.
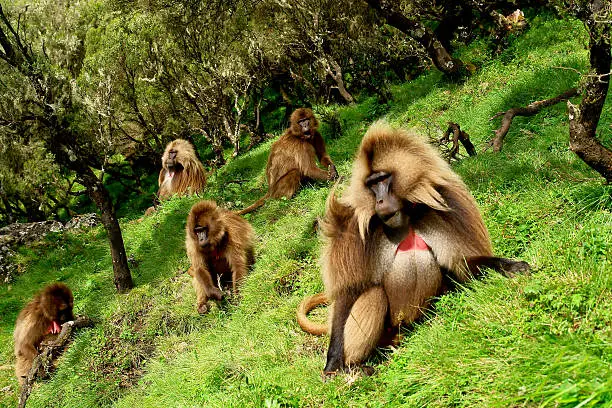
(49, 351)
(458, 136)
(529, 110)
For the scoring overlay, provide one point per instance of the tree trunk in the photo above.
(99, 194)
(335, 71)
(232, 135)
(288, 103)
(217, 147)
(34, 214)
(423, 35)
(455, 15)
(7, 207)
(585, 117)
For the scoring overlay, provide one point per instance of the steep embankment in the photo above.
(543, 339)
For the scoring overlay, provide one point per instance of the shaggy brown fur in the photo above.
(40, 320)
(220, 247)
(293, 159)
(405, 222)
(181, 173)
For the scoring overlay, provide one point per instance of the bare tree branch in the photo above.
(389, 10)
(458, 136)
(498, 141)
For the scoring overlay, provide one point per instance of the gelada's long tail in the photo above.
(253, 206)
(306, 306)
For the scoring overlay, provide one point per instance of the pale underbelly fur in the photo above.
(410, 278)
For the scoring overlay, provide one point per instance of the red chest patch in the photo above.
(216, 254)
(412, 242)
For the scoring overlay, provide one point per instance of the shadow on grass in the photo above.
(410, 92)
(161, 245)
(541, 83)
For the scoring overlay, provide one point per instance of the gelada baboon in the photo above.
(220, 247)
(181, 173)
(293, 159)
(405, 224)
(40, 320)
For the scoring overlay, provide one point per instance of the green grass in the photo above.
(539, 340)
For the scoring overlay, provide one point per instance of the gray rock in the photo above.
(17, 234)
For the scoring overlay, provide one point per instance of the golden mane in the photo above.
(191, 179)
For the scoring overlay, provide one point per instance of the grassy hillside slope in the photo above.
(539, 340)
